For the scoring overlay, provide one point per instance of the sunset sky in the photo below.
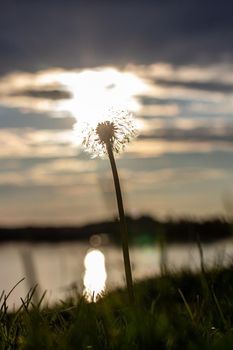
(64, 62)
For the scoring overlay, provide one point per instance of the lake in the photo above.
(93, 266)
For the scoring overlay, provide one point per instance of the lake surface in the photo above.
(58, 267)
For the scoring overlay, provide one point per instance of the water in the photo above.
(59, 267)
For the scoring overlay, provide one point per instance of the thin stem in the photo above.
(123, 227)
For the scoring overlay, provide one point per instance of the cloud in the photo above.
(51, 94)
(81, 93)
(201, 120)
(157, 110)
(149, 148)
(189, 130)
(28, 143)
(220, 72)
(39, 92)
(184, 145)
(94, 33)
(194, 85)
(63, 172)
(156, 90)
(169, 84)
(11, 118)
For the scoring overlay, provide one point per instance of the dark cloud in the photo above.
(195, 134)
(214, 159)
(11, 119)
(205, 86)
(67, 33)
(53, 94)
(147, 100)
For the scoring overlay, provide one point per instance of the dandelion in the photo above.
(108, 137)
(115, 127)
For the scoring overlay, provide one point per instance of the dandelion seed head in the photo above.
(106, 132)
(117, 128)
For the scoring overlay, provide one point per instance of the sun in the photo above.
(88, 95)
(94, 91)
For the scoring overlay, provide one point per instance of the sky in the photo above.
(64, 63)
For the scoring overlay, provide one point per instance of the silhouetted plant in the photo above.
(108, 137)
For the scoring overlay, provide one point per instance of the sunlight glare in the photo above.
(97, 90)
(88, 95)
(95, 275)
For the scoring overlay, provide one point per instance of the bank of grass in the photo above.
(175, 311)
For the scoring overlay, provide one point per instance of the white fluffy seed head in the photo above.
(117, 129)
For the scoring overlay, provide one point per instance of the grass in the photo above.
(175, 311)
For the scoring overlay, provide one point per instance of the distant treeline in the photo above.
(142, 231)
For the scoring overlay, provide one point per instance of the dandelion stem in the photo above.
(123, 227)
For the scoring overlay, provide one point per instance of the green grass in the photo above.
(175, 311)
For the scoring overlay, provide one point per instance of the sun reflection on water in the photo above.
(95, 275)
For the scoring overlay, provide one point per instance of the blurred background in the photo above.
(168, 62)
